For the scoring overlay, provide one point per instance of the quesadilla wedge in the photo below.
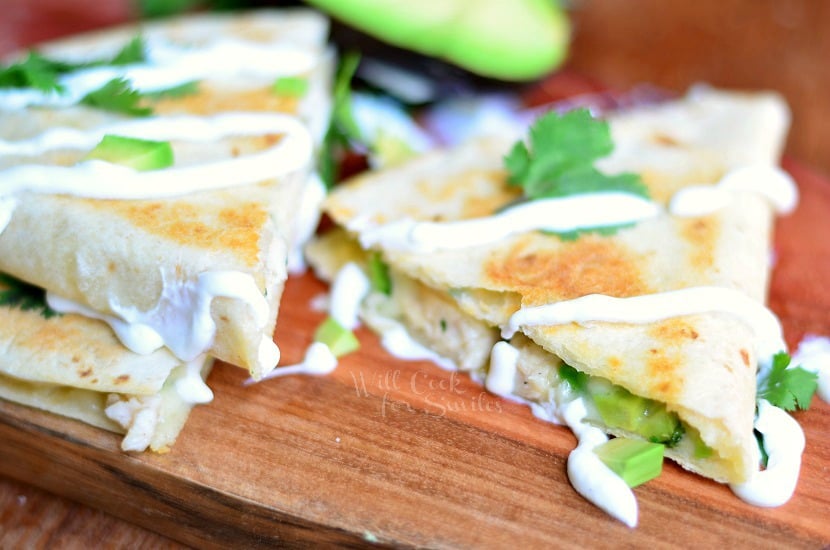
(191, 256)
(648, 309)
(75, 367)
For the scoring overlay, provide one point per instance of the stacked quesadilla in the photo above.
(646, 303)
(157, 269)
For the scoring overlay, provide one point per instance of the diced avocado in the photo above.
(339, 339)
(634, 460)
(379, 274)
(139, 154)
(577, 380)
(621, 409)
(293, 86)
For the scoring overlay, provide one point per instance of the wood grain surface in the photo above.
(401, 453)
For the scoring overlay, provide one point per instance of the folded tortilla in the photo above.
(75, 367)
(194, 257)
(701, 366)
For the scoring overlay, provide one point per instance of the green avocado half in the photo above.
(513, 40)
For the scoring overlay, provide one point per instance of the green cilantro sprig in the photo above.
(559, 158)
(343, 128)
(16, 293)
(117, 96)
(561, 155)
(42, 73)
(787, 388)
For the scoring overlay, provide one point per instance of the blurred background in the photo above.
(775, 44)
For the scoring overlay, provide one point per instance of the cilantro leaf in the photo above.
(559, 161)
(561, 156)
(787, 388)
(343, 128)
(118, 96)
(42, 73)
(135, 51)
(180, 90)
(33, 72)
(16, 293)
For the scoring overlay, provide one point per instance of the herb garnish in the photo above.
(342, 129)
(118, 96)
(16, 293)
(559, 161)
(787, 388)
(42, 73)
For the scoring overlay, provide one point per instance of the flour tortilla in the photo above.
(75, 367)
(702, 366)
(100, 252)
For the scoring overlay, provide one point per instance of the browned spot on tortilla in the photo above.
(674, 331)
(591, 264)
(702, 235)
(210, 100)
(111, 267)
(85, 372)
(236, 229)
(122, 379)
(664, 139)
(480, 192)
(745, 357)
(662, 376)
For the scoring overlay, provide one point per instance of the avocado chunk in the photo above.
(634, 460)
(619, 408)
(292, 86)
(139, 154)
(339, 339)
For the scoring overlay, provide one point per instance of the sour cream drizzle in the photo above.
(784, 443)
(181, 318)
(813, 354)
(655, 307)
(102, 180)
(770, 181)
(349, 288)
(190, 386)
(560, 214)
(170, 65)
(589, 475)
(501, 377)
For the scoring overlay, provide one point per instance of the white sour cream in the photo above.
(501, 377)
(318, 360)
(103, 180)
(590, 476)
(784, 443)
(813, 354)
(181, 318)
(559, 214)
(190, 386)
(349, 288)
(655, 307)
(170, 65)
(772, 182)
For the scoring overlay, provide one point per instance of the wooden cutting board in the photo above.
(405, 453)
